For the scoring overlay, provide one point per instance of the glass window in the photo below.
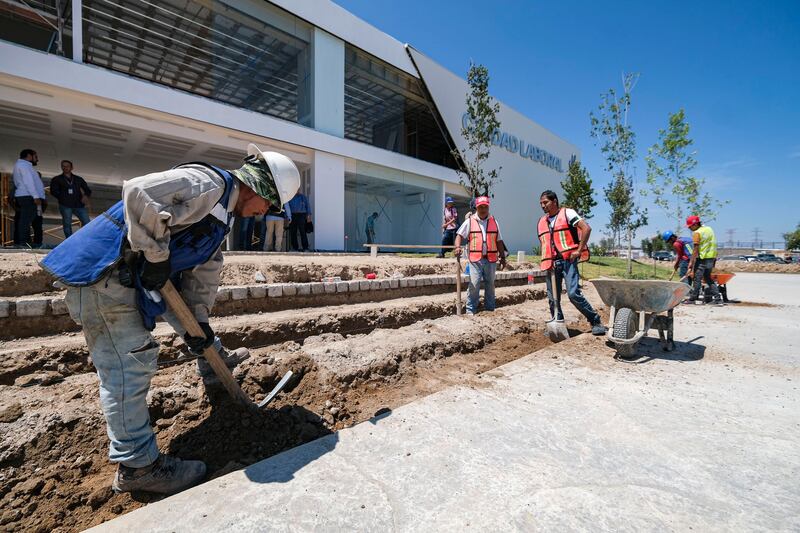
(45, 25)
(385, 107)
(408, 208)
(207, 48)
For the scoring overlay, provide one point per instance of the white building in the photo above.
(368, 120)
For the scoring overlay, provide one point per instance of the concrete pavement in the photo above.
(704, 438)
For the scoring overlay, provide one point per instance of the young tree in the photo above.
(578, 190)
(793, 239)
(477, 131)
(669, 174)
(618, 144)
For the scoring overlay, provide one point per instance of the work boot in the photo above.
(231, 358)
(167, 475)
(599, 329)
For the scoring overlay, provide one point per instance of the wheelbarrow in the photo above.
(636, 306)
(722, 278)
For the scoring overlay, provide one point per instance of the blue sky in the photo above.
(733, 66)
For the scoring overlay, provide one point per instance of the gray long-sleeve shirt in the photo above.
(160, 204)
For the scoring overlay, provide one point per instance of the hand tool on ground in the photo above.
(189, 323)
(556, 329)
(458, 286)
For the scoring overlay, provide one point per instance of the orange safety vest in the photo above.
(562, 239)
(476, 240)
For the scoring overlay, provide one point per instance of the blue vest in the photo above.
(89, 254)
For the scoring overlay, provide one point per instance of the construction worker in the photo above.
(169, 226)
(449, 225)
(485, 248)
(702, 261)
(563, 236)
(682, 250)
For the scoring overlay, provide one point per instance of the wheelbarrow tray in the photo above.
(636, 306)
(650, 296)
(722, 278)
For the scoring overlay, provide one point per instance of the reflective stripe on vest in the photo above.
(562, 239)
(90, 253)
(476, 240)
(707, 249)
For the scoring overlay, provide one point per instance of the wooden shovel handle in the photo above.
(189, 323)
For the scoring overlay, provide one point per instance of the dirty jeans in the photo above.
(683, 268)
(568, 271)
(702, 272)
(482, 270)
(125, 356)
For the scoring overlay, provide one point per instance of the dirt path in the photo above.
(54, 472)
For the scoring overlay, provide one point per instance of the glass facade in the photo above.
(408, 207)
(209, 48)
(385, 107)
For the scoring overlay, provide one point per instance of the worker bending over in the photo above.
(563, 236)
(682, 250)
(169, 226)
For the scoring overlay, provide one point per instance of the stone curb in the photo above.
(56, 306)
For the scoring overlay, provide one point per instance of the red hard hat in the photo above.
(692, 220)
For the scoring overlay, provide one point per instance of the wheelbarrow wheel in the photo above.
(625, 328)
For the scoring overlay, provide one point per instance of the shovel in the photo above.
(458, 286)
(189, 323)
(556, 329)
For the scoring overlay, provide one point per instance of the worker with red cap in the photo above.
(485, 248)
(704, 257)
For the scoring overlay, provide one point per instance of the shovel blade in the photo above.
(557, 331)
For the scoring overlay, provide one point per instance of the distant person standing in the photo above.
(276, 220)
(704, 257)
(38, 222)
(72, 194)
(301, 215)
(449, 225)
(28, 194)
(370, 227)
(485, 248)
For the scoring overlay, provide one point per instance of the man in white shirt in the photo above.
(485, 248)
(28, 195)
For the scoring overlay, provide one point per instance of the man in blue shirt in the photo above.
(301, 215)
(28, 195)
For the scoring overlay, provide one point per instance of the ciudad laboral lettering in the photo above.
(513, 144)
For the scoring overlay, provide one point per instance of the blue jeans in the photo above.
(66, 217)
(683, 268)
(482, 270)
(568, 271)
(448, 238)
(125, 355)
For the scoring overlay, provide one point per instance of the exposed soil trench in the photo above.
(54, 472)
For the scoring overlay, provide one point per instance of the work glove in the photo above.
(155, 275)
(198, 345)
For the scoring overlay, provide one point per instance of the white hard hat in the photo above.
(284, 172)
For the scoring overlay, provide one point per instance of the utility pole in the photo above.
(731, 233)
(756, 234)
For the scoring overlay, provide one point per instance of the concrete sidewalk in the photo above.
(704, 438)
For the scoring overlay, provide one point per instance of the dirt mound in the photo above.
(54, 471)
(754, 266)
(20, 274)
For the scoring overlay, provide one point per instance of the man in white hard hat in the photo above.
(168, 226)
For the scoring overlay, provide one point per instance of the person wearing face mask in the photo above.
(168, 226)
(563, 236)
